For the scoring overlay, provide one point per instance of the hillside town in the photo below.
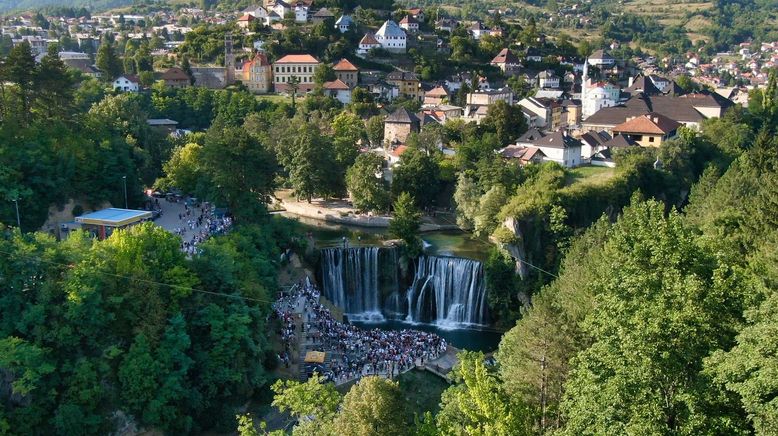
(577, 110)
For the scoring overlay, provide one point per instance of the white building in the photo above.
(256, 12)
(126, 83)
(367, 43)
(391, 37)
(595, 96)
(601, 59)
(338, 90)
(344, 23)
(558, 147)
(548, 80)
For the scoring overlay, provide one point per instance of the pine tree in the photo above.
(54, 86)
(107, 61)
(21, 71)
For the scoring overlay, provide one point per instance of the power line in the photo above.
(538, 268)
(137, 279)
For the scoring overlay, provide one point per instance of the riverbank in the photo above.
(342, 212)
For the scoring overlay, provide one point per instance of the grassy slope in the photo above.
(590, 175)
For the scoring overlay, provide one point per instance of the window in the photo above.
(651, 139)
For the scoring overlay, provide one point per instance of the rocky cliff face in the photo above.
(518, 252)
(516, 248)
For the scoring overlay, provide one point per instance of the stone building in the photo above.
(399, 124)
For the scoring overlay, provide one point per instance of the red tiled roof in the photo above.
(246, 17)
(436, 92)
(650, 123)
(336, 84)
(505, 56)
(399, 150)
(344, 65)
(368, 39)
(298, 59)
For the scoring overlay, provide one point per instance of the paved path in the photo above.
(169, 219)
(342, 212)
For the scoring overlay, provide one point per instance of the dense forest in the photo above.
(661, 319)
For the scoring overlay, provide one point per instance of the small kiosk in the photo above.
(104, 222)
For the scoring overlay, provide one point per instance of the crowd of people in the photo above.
(354, 352)
(198, 224)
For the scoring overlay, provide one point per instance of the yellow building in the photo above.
(258, 74)
(649, 130)
(408, 83)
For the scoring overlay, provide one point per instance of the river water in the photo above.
(439, 243)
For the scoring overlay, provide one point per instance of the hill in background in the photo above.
(28, 5)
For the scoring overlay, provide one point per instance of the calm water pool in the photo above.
(445, 243)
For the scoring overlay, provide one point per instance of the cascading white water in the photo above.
(350, 280)
(448, 291)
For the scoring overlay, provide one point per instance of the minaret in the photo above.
(584, 77)
(229, 61)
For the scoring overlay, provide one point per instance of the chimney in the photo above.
(631, 81)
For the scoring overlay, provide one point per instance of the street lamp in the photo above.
(18, 220)
(124, 180)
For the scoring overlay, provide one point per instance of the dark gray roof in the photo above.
(620, 141)
(402, 75)
(557, 140)
(402, 115)
(594, 139)
(643, 84)
(678, 108)
(530, 135)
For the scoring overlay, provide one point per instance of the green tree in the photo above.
(661, 309)
(294, 86)
(20, 69)
(311, 165)
(348, 130)
(313, 399)
(467, 197)
(366, 184)
(405, 223)
(183, 170)
(373, 406)
(418, 175)
(374, 127)
(108, 62)
(477, 404)
(748, 368)
(143, 59)
(241, 170)
(486, 220)
(506, 121)
(54, 86)
(324, 73)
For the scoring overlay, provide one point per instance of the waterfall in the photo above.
(350, 280)
(365, 282)
(448, 291)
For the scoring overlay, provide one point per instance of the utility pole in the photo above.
(124, 180)
(18, 220)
